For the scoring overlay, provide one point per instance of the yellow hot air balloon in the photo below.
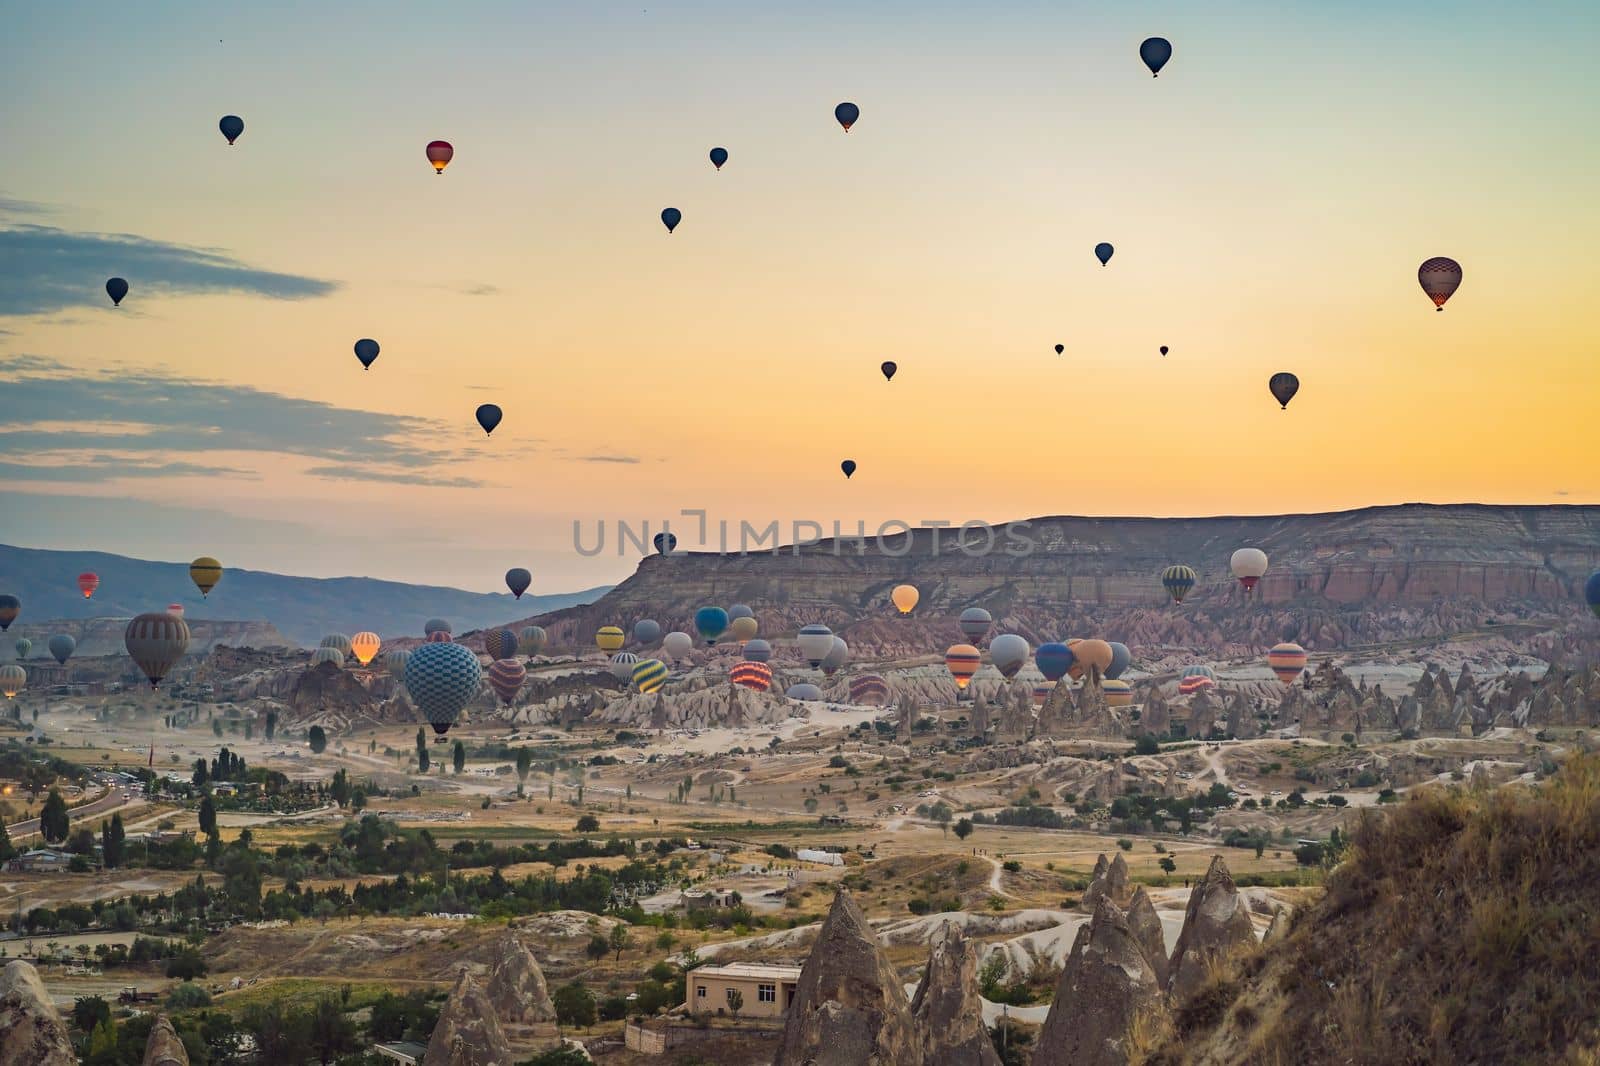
(744, 629)
(609, 638)
(905, 598)
(205, 572)
(365, 646)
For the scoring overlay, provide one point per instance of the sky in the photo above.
(1269, 196)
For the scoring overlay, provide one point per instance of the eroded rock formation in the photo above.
(468, 1032)
(31, 1030)
(1216, 923)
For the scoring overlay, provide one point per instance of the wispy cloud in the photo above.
(12, 206)
(112, 468)
(403, 477)
(605, 459)
(47, 269)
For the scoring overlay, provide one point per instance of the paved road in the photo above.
(114, 799)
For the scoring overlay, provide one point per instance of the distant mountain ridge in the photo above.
(301, 608)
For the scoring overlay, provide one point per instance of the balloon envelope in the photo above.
(365, 646)
(888, 369)
(869, 690)
(975, 623)
(1103, 252)
(670, 218)
(1177, 580)
(1096, 653)
(1155, 51)
(1053, 660)
(847, 113)
(489, 416)
(677, 644)
(904, 598)
(10, 607)
(719, 156)
(805, 690)
(1163, 349)
(116, 288)
(1248, 564)
(849, 467)
(87, 583)
(1287, 660)
(61, 646)
(531, 640)
(231, 126)
(396, 662)
(649, 674)
(1121, 659)
(327, 655)
(23, 646)
(336, 640)
(1117, 693)
(837, 656)
(439, 154)
(1439, 277)
(962, 660)
(205, 572)
(442, 679)
(506, 677)
(622, 665)
(743, 628)
(752, 675)
(758, 651)
(664, 542)
(1009, 653)
(1283, 386)
(1060, 348)
(156, 642)
(816, 641)
(646, 631)
(518, 580)
(609, 638)
(435, 625)
(710, 622)
(1591, 592)
(500, 643)
(366, 351)
(13, 679)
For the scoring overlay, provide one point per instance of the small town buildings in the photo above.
(40, 860)
(763, 991)
(405, 1052)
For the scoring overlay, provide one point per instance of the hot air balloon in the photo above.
(849, 468)
(1189, 683)
(1093, 653)
(1283, 386)
(1117, 693)
(13, 679)
(888, 369)
(975, 623)
(677, 644)
(116, 288)
(436, 625)
(500, 643)
(758, 651)
(1287, 660)
(489, 416)
(740, 610)
(61, 646)
(23, 646)
(609, 638)
(869, 690)
(396, 661)
(1163, 349)
(962, 660)
(1053, 660)
(670, 218)
(327, 655)
(664, 542)
(232, 126)
(805, 690)
(847, 113)
(439, 154)
(816, 641)
(837, 656)
(1591, 593)
(366, 351)
(646, 631)
(1248, 564)
(87, 583)
(622, 665)
(743, 629)
(752, 675)
(1060, 348)
(1009, 653)
(1103, 252)
(1177, 580)
(1155, 51)
(518, 580)
(530, 641)
(710, 622)
(442, 679)
(1042, 691)
(205, 572)
(506, 677)
(1075, 671)
(175, 610)
(365, 646)
(1439, 278)
(336, 640)
(10, 607)
(1121, 659)
(719, 156)
(904, 598)
(649, 675)
(438, 637)
(155, 642)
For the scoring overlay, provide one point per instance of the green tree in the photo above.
(735, 1002)
(208, 817)
(422, 751)
(587, 823)
(1166, 863)
(339, 788)
(620, 940)
(112, 836)
(597, 948)
(458, 756)
(7, 849)
(54, 823)
(574, 1005)
(358, 800)
(1146, 744)
(186, 965)
(318, 740)
(331, 1032)
(963, 828)
(524, 765)
(216, 726)
(271, 725)
(90, 1011)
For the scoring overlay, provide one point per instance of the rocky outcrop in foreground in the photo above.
(1216, 922)
(1107, 990)
(164, 1048)
(31, 1030)
(516, 988)
(468, 1032)
(947, 1012)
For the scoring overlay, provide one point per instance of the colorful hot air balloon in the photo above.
(837, 656)
(609, 638)
(1287, 660)
(116, 288)
(155, 642)
(442, 679)
(975, 623)
(1053, 660)
(1093, 653)
(439, 154)
(847, 113)
(1188, 686)
(1439, 278)
(518, 580)
(646, 631)
(710, 622)
(205, 572)
(869, 690)
(805, 690)
(506, 677)
(849, 468)
(904, 598)
(743, 628)
(1060, 348)
(962, 660)
(758, 651)
(888, 369)
(740, 610)
(622, 665)
(1155, 51)
(337, 640)
(670, 217)
(677, 645)
(1104, 252)
(396, 661)
(175, 610)
(1198, 671)
(1117, 693)
(752, 675)
(1009, 653)
(649, 675)
(500, 643)
(364, 646)
(87, 583)
(1121, 659)
(719, 156)
(1591, 593)
(816, 641)
(530, 641)
(232, 126)
(664, 543)
(10, 607)
(327, 655)
(489, 416)
(61, 646)
(1283, 386)
(1248, 564)
(1178, 580)
(366, 351)
(436, 625)
(23, 646)
(13, 679)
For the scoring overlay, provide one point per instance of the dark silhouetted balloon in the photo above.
(10, 607)
(849, 467)
(1060, 348)
(366, 351)
(1591, 593)
(719, 156)
(489, 416)
(1439, 278)
(1155, 52)
(888, 371)
(1284, 386)
(847, 113)
(665, 542)
(670, 218)
(116, 288)
(1103, 252)
(439, 154)
(517, 580)
(231, 126)
(1163, 349)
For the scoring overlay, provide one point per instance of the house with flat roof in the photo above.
(405, 1052)
(39, 860)
(763, 991)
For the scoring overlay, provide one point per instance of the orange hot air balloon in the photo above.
(1075, 671)
(1095, 653)
(439, 154)
(963, 661)
(905, 598)
(365, 646)
(87, 583)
